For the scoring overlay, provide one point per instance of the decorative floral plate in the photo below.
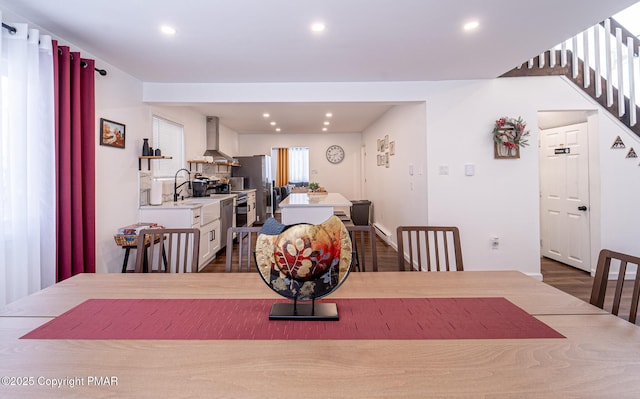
(304, 261)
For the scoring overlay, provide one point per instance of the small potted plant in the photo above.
(313, 186)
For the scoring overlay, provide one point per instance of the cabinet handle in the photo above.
(212, 235)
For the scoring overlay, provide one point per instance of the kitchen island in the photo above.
(311, 207)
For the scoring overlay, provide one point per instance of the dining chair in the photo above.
(363, 242)
(429, 248)
(170, 250)
(599, 290)
(240, 254)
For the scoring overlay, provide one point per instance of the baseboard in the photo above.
(383, 233)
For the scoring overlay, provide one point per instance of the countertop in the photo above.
(307, 200)
(190, 202)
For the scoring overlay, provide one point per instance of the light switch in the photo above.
(469, 169)
(443, 170)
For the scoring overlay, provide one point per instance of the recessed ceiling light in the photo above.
(265, 115)
(324, 129)
(277, 129)
(318, 27)
(328, 114)
(168, 30)
(471, 25)
(326, 123)
(273, 123)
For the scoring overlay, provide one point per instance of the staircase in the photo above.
(602, 61)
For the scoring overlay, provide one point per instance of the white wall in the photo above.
(118, 98)
(502, 198)
(343, 177)
(450, 126)
(397, 197)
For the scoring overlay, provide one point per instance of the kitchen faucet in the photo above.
(176, 186)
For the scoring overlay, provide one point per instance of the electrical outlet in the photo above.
(495, 243)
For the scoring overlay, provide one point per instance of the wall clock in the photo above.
(335, 154)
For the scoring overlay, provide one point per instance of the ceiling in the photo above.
(233, 41)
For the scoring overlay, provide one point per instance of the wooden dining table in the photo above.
(599, 356)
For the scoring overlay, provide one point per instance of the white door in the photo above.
(564, 196)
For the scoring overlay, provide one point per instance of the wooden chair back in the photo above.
(168, 250)
(239, 255)
(429, 248)
(599, 291)
(363, 241)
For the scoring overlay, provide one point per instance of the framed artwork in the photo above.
(392, 148)
(112, 133)
(386, 142)
(386, 159)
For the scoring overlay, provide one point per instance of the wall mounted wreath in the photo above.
(509, 135)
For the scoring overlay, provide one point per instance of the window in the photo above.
(169, 138)
(298, 165)
(290, 165)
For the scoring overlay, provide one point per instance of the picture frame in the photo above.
(386, 142)
(386, 159)
(392, 148)
(380, 145)
(112, 133)
(501, 152)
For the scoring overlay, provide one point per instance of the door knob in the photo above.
(582, 208)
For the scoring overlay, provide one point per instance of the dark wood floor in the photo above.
(563, 277)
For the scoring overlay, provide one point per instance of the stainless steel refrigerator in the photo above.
(256, 171)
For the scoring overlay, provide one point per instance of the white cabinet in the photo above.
(173, 217)
(209, 242)
(203, 214)
(251, 208)
(176, 217)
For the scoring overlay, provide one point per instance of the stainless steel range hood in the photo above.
(213, 141)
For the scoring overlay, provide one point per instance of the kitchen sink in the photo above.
(209, 212)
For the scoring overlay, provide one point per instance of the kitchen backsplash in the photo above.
(215, 170)
(145, 179)
(144, 182)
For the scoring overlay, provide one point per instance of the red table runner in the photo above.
(204, 319)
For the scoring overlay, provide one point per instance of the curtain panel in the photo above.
(27, 179)
(282, 170)
(298, 165)
(74, 95)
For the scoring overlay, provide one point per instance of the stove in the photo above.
(241, 208)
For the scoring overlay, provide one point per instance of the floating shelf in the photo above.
(149, 158)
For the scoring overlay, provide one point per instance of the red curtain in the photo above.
(74, 87)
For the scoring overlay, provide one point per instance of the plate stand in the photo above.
(304, 311)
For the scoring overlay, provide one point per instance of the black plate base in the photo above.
(304, 311)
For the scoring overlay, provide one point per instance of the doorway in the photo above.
(565, 220)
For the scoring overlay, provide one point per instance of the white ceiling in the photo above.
(229, 41)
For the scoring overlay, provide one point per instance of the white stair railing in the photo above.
(612, 57)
